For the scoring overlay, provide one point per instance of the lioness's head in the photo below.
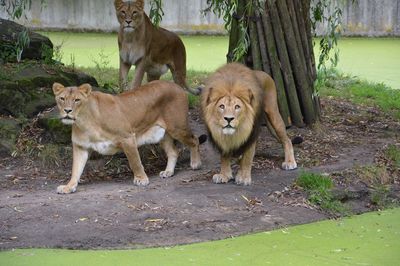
(70, 100)
(129, 14)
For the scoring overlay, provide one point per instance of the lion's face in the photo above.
(70, 100)
(130, 14)
(228, 114)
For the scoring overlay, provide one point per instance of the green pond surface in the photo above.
(373, 59)
(367, 239)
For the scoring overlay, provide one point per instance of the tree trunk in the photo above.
(281, 45)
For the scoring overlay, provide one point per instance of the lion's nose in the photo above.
(228, 118)
(68, 111)
(128, 21)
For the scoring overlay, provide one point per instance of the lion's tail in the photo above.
(202, 138)
(295, 140)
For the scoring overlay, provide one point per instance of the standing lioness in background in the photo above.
(156, 112)
(152, 50)
(234, 101)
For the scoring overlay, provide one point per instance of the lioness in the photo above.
(152, 50)
(156, 112)
(233, 103)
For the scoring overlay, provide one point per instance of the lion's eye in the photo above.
(123, 13)
(222, 107)
(237, 107)
(62, 99)
(77, 100)
(134, 13)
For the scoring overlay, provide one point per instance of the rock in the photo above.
(25, 88)
(9, 131)
(56, 131)
(39, 46)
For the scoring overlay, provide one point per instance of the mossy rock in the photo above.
(9, 33)
(55, 130)
(9, 131)
(25, 88)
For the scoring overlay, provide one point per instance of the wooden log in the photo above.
(306, 15)
(263, 47)
(307, 49)
(234, 33)
(296, 30)
(273, 30)
(304, 87)
(254, 43)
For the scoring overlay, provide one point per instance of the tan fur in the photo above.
(152, 50)
(238, 96)
(155, 112)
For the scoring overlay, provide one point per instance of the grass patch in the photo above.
(318, 188)
(393, 154)
(342, 86)
(374, 175)
(380, 197)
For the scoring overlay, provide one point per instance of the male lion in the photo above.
(152, 50)
(156, 112)
(233, 103)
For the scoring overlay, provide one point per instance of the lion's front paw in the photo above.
(140, 181)
(289, 165)
(65, 189)
(195, 165)
(166, 173)
(242, 179)
(220, 178)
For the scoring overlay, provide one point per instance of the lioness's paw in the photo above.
(140, 181)
(220, 178)
(65, 189)
(242, 180)
(289, 165)
(165, 174)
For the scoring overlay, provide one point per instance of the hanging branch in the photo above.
(156, 12)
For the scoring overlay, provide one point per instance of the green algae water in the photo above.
(373, 59)
(203, 53)
(367, 239)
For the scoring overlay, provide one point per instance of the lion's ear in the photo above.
(57, 88)
(86, 89)
(251, 97)
(208, 100)
(140, 4)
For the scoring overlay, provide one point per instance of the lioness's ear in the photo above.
(140, 4)
(86, 89)
(118, 4)
(57, 88)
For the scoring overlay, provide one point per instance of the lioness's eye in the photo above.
(62, 98)
(77, 100)
(237, 107)
(134, 13)
(123, 13)
(222, 106)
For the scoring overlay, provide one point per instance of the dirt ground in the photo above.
(108, 211)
